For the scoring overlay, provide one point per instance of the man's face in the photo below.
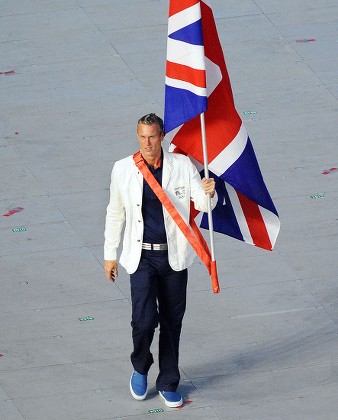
(150, 141)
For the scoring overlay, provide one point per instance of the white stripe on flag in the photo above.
(180, 84)
(184, 18)
(241, 220)
(231, 153)
(187, 54)
(214, 75)
(272, 224)
(169, 137)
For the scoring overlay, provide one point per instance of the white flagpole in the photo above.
(206, 174)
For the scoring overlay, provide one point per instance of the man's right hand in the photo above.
(111, 269)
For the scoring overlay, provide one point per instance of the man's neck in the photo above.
(155, 162)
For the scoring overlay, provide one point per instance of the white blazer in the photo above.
(181, 182)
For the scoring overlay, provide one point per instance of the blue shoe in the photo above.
(138, 386)
(171, 399)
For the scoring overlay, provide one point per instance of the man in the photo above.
(155, 252)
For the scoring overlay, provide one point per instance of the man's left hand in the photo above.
(209, 186)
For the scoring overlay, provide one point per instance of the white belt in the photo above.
(154, 247)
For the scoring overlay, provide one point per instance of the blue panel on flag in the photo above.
(245, 176)
(223, 216)
(181, 106)
(192, 34)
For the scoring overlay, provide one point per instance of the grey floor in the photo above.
(266, 347)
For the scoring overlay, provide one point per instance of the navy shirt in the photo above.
(154, 231)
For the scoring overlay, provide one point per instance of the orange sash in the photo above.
(192, 233)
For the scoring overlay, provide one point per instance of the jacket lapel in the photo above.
(138, 176)
(167, 169)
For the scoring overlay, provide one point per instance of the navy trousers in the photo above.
(158, 295)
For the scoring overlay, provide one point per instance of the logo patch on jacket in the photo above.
(180, 192)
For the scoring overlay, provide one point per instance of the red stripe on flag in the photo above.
(255, 223)
(186, 74)
(177, 6)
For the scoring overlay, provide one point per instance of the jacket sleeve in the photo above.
(115, 218)
(198, 196)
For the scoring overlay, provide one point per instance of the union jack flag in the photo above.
(197, 81)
